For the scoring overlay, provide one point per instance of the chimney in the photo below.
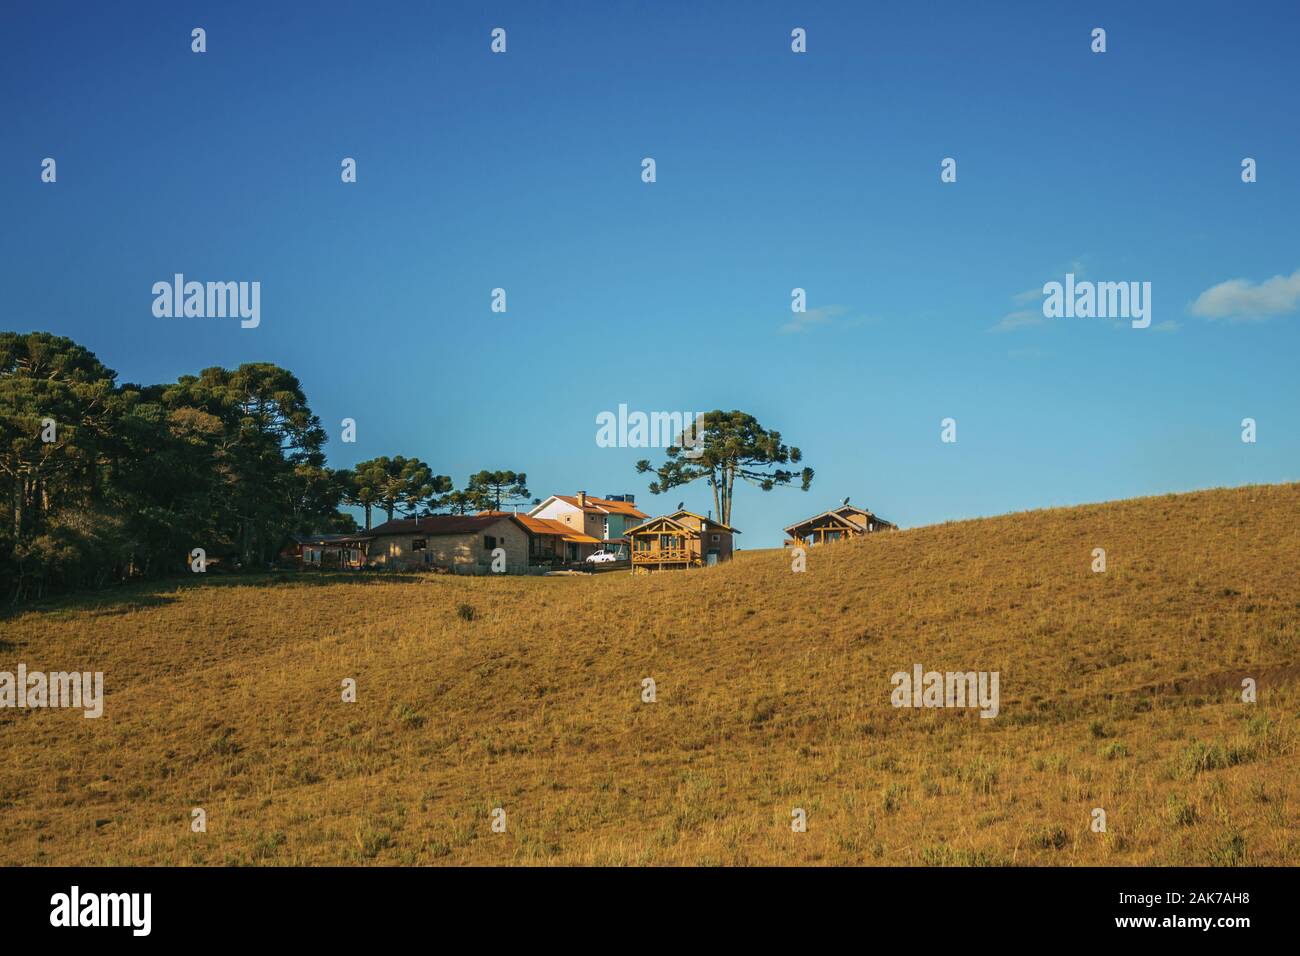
(582, 500)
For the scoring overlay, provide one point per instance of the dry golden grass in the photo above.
(1119, 690)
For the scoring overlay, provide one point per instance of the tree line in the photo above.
(101, 482)
(109, 481)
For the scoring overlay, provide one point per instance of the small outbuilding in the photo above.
(838, 524)
(326, 551)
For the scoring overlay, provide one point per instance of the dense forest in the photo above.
(103, 481)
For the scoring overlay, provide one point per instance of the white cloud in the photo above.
(802, 321)
(1019, 320)
(1028, 318)
(1243, 299)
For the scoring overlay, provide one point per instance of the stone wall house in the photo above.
(459, 543)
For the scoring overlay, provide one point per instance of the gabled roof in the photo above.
(704, 520)
(879, 522)
(672, 520)
(602, 506)
(654, 525)
(546, 526)
(543, 525)
(435, 525)
(607, 506)
(830, 517)
(837, 515)
(854, 509)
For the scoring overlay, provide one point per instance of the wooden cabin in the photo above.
(682, 539)
(838, 524)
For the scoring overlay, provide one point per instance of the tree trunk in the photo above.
(725, 515)
(19, 492)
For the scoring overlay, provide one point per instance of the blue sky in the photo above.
(775, 171)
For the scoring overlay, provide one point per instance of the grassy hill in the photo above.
(1119, 690)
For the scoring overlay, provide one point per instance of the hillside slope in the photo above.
(1119, 690)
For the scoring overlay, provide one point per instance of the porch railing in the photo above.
(657, 555)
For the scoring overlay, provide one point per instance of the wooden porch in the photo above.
(825, 534)
(664, 555)
(686, 556)
(680, 540)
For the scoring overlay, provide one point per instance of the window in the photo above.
(420, 544)
(717, 538)
(489, 542)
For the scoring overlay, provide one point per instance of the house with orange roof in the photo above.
(605, 522)
(550, 542)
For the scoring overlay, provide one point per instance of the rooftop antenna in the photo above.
(681, 505)
(844, 502)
